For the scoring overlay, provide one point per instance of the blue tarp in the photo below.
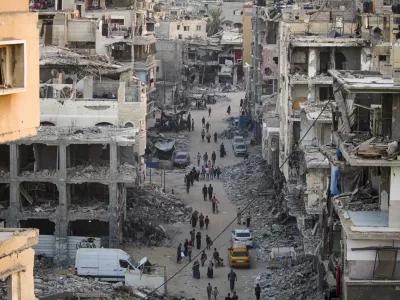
(335, 172)
(243, 121)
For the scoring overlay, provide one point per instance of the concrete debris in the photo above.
(251, 182)
(147, 209)
(89, 170)
(231, 132)
(4, 172)
(39, 173)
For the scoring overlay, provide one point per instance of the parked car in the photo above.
(243, 236)
(105, 264)
(238, 139)
(181, 159)
(239, 255)
(240, 150)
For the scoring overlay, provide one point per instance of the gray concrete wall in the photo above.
(169, 54)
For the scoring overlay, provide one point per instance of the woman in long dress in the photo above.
(196, 269)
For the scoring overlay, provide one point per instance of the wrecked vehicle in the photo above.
(181, 159)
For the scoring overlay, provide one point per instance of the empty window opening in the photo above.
(88, 161)
(178, 27)
(121, 51)
(38, 158)
(45, 226)
(4, 160)
(126, 155)
(267, 71)
(91, 228)
(382, 57)
(12, 66)
(198, 27)
(150, 26)
(89, 195)
(39, 196)
(275, 59)
(186, 28)
(129, 124)
(45, 123)
(192, 55)
(325, 93)
(4, 196)
(340, 61)
(104, 124)
(323, 62)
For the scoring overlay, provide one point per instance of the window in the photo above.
(180, 36)
(123, 264)
(240, 254)
(186, 28)
(12, 67)
(158, 69)
(198, 27)
(178, 27)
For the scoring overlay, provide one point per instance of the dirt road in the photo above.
(183, 283)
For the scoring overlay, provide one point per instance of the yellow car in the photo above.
(239, 256)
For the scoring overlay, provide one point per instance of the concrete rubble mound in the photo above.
(89, 170)
(251, 183)
(148, 208)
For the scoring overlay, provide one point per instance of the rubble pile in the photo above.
(127, 170)
(250, 182)
(148, 208)
(4, 170)
(89, 205)
(89, 170)
(231, 132)
(291, 280)
(39, 173)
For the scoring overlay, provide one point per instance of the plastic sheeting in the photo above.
(335, 172)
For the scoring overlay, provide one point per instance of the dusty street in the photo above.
(183, 283)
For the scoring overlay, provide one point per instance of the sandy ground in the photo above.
(183, 283)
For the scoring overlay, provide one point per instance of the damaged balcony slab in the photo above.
(321, 41)
(364, 82)
(363, 151)
(315, 159)
(313, 111)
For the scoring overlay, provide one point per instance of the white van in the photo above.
(105, 264)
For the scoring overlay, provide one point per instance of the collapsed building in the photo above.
(328, 130)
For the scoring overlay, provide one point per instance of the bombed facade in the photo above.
(328, 128)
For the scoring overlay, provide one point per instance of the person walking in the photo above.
(215, 293)
(248, 219)
(215, 172)
(204, 192)
(218, 172)
(229, 110)
(235, 297)
(190, 249)
(198, 159)
(208, 126)
(207, 221)
(257, 291)
(207, 173)
(209, 112)
(203, 122)
(208, 242)
(239, 216)
(179, 253)
(192, 124)
(185, 247)
(210, 192)
(209, 291)
(192, 236)
(196, 269)
(203, 258)
(211, 172)
(203, 134)
(188, 180)
(228, 297)
(203, 173)
(241, 103)
(232, 278)
(198, 240)
(210, 270)
(201, 220)
(214, 202)
(205, 158)
(194, 219)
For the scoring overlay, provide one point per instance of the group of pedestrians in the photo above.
(199, 218)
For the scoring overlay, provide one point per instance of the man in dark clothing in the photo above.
(203, 122)
(209, 290)
(232, 278)
(188, 181)
(178, 253)
(210, 192)
(207, 221)
(213, 157)
(257, 291)
(198, 240)
(248, 219)
(204, 191)
(192, 236)
(228, 297)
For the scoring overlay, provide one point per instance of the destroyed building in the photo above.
(70, 183)
(331, 134)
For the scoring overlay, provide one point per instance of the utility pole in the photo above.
(133, 33)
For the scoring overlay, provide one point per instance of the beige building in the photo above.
(247, 34)
(17, 259)
(19, 69)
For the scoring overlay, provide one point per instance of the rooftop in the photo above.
(83, 135)
(323, 41)
(364, 82)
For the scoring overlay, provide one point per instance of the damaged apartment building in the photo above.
(69, 180)
(111, 28)
(332, 135)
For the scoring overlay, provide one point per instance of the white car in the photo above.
(240, 150)
(238, 139)
(243, 236)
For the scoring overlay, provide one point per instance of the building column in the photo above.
(384, 189)
(312, 72)
(113, 207)
(61, 232)
(332, 61)
(14, 207)
(234, 76)
(394, 204)
(395, 117)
